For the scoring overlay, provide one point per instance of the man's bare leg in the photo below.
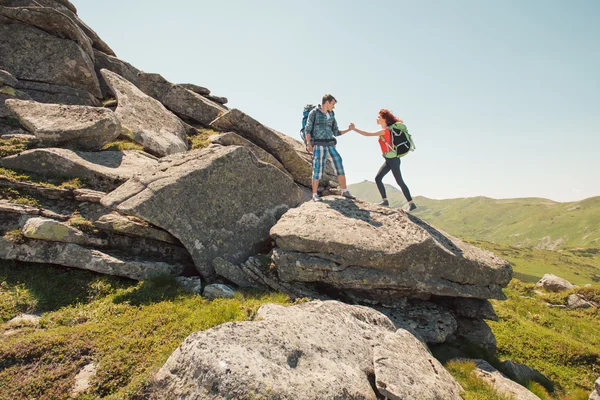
(342, 181)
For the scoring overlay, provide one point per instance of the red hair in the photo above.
(390, 118)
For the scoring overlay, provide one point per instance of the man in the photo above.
(321, 129)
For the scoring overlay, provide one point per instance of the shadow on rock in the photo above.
(351, 209)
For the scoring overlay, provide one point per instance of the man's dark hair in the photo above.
(327, 98)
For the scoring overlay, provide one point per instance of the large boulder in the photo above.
(219, 202)
(68, 9)
(381, 253)
(291, 153)
(182, 100)
(119, 67)
(233, 139)
(46, 58)
(51, 21)
(57, 94)
(86, 128)
(103, 170)
(316, 350)
(76, 256)
(145, 120)
(554, 283)
(191, 105)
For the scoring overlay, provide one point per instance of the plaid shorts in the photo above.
(320, 154)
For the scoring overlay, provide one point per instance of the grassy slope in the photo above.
(523, 222)
(129, 329)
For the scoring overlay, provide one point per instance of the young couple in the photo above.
(321, 130)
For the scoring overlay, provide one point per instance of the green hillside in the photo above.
(526, 222)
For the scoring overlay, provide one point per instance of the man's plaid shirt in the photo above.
(324, 128)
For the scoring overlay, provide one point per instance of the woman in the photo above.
(392, 162)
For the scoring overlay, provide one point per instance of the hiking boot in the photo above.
(316, 197)
(384, 203)
(346, 194)
(412, 207)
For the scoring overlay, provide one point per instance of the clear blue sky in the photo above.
(501, 97)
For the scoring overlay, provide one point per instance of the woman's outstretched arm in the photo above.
(365, 133)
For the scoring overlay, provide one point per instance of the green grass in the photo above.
(562, 344)
(122, 144)
(475, 387)
(9, 147)
(39, 179)
(200, 141)
(578, 266)
(526, 222)
(127, 328)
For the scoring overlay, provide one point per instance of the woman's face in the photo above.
(380, 120)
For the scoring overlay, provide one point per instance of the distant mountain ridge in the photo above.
(527, 222)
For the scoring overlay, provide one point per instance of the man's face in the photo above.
(330, 105)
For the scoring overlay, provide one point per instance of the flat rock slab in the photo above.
(76, 256)
(86, 128)
(354, 245)
(105, 169)
(191, 105)
(233, 139)
(316, 350)
(145, 120)
(219, 202)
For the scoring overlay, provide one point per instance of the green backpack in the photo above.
(402, 142)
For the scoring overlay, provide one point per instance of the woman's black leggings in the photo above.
(391, 164)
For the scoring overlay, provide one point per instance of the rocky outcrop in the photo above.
(183, 100)
(145, 120)
(86, 128)
(76, 256)
(233, 139)
(291, 153)
(336, 350)
(103, 170)
(190, 105)
(553, 283)
(51, 21)
(196, 89)
(47, 58)
(68, 9)
(119, 67)
(382, 253)
(219, 202)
